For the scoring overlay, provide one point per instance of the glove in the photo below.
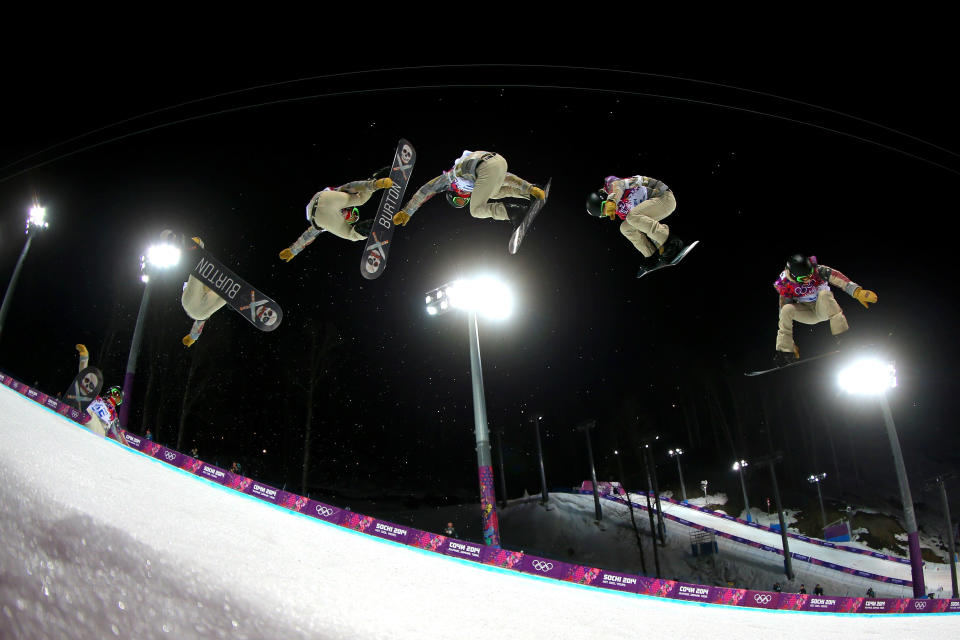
(864, 297)
(187, 340)
(286, 255)
(383, 183)
(198, 241)
(82, 350)
(537, 193)
(401, 218)
(610, 209)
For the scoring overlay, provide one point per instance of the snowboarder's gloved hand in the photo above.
(537, 193)
(610, 209)
(383, 183)
(187, 340)
(82, 350)
(401, 218)
(286, 255)
(864, 296)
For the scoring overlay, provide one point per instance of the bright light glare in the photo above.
(37, 215)
(742, 464)
(868, 377)
(485, 295)
(163, 255)
(432, 311)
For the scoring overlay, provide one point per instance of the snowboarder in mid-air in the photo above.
(641, 202)
(199, 302)
(480, 180)
(104, 419)
(337, 211)
(805, 296)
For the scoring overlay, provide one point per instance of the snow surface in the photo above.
(101, 541)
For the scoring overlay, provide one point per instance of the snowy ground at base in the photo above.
(100, 541)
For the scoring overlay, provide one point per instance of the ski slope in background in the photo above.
(936, 579)
(101, 541)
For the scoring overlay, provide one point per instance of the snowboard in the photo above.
(663, 265)
(374, 259)
(792, 364)
(520, 232)
(84, 389)
(258, 309)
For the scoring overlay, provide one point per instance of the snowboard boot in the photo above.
(382, 172)
(517, 211)
(671, 249)
(651, 261)
(782, 358)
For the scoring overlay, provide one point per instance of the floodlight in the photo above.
(869, 376)
(36, 218)
(163, 255)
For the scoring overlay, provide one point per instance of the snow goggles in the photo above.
(351, 214)
(460, 201)
(804, 278)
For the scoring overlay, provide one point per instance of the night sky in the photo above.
(762, 165)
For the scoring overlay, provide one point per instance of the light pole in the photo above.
(816, 479)
(492, 299)
(676, 453)
(647, 450)
(159, 256)
(585, 427)
(650, 510)
(740, 465)
(785, 539)
(703, 485)
(873, 377)
(35, 223)
(535, 421)
(950, 548)
(633, 519)
(503, 476)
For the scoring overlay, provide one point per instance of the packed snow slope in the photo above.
(567, 529)
(101, 541)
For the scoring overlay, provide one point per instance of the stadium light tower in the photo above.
(36, 222)
(162, 255)
(676, 453)
(816, 479)
(740, 465)
(873, 377)
(493, 299)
